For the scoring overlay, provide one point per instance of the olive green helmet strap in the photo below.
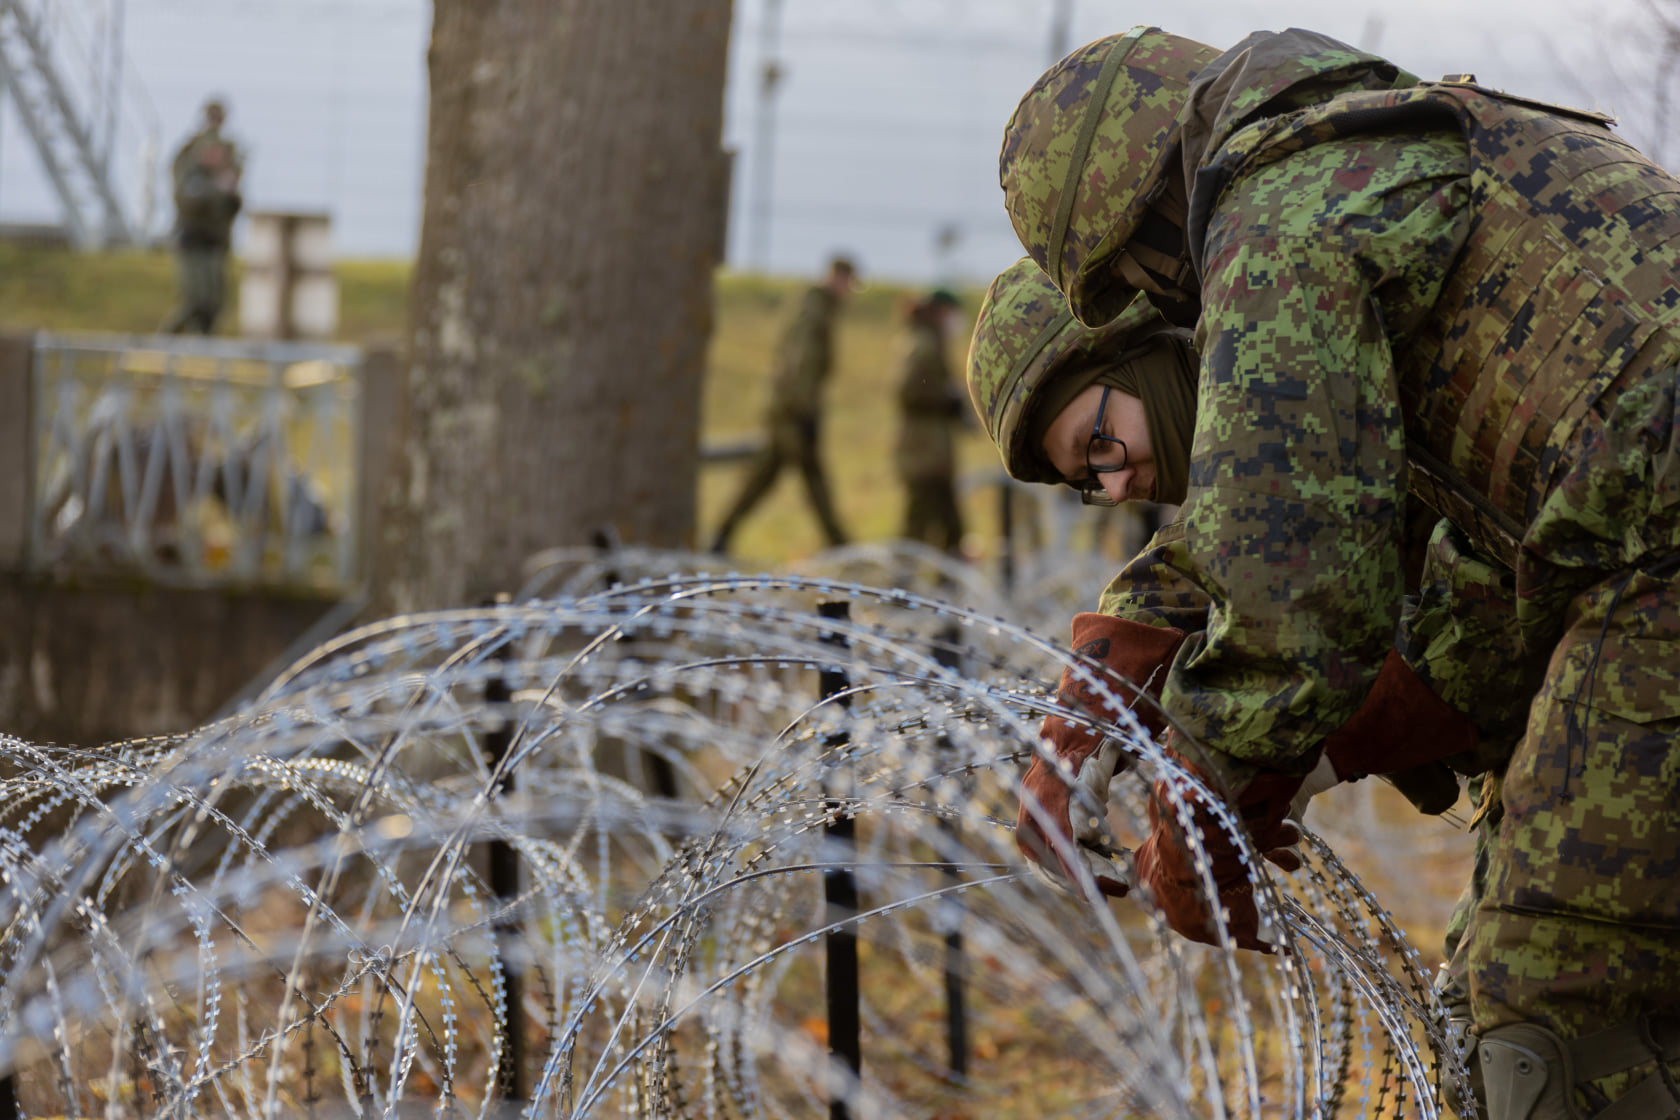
(1028, 355)
(1081, 148)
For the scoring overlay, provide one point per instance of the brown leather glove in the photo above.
(1167, 864)
(1061, 826)
(1401, 728)
(1403, 731)
(1402, 724)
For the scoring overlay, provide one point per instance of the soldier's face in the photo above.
(1068, 441)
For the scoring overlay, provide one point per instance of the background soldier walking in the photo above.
(804, 359)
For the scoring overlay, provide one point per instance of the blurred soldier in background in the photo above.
(205, 175)
(931, 411)
(804, 358)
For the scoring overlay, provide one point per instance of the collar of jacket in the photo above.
(1268, 74)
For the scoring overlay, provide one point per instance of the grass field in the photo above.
(135, 291)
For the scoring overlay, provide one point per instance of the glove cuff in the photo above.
(1135, 653)
(1401, 724)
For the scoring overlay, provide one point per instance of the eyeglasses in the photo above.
(1100, 459)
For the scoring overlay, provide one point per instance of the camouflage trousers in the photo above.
(931, 513)
(1577, 923)
(202, 277)
(792, 442)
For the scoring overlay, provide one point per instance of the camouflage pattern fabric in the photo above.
(1149, 589)
(929, 409)
(1579, 926)
(804, 358)
(201, 274)
(1101, 133)
(1082, 157)
(1580, 922)
(1460, 635)
(1503, 376)
(932, 514)
(1024, 337)
(791, 444)
(1443, 272)
(1295, 510)
(204, 210)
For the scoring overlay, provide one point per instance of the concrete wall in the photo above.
(83, 665)
(17, 448)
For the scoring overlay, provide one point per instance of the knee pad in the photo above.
(1529, 1073)
(1526, 1074)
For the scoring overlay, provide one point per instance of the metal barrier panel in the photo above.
(197, 461)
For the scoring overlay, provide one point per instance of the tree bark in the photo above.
(561, 303)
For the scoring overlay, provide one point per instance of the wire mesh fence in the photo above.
(197, 461)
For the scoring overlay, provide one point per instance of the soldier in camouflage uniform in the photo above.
(804, 358)
(206, 172)
(1409, 289)
(931, 411)
(1028, 359)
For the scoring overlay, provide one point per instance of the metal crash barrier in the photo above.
(196, 461)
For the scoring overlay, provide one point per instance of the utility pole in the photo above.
(764, 130)
(112, 101)
(2, 105)
(1371, 38)
(1061, 26)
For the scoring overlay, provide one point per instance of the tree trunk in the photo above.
(561, 305)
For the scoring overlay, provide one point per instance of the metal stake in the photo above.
(845, 1042)
(504, 885)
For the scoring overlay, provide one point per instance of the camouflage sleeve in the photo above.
(185, 157)
(925, 386)
(1293, 522)
(1150, 590)
(1460, 636)
(805, 355)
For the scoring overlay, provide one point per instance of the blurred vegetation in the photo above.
(134, 291)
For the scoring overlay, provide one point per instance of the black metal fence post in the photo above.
(504, 886)
(1006, 534)
(947, 653)
(845, 1029)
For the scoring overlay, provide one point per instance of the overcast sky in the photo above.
(886, 126)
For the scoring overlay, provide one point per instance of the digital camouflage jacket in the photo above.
(929, 408)
(1430, 288)
(204, 209)
(804, 357)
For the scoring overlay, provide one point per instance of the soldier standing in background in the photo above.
(803, 361)
(931, 411)
(205, 175)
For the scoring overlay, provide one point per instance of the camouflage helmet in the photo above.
(1024, 337)
(1085, 152)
